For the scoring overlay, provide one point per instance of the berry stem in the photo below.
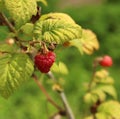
(63, 98)
(45, 92)
(95, 64)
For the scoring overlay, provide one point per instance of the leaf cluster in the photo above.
(29, 37)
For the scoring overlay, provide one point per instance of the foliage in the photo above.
(52, 28)
(33, 33)
(14, 72)
(104, 21)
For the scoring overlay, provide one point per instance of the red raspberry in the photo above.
(44, 61)
(106, 61)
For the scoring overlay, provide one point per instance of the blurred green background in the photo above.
(101, 16)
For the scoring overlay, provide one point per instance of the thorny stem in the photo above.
(63, 98)
(45, 92)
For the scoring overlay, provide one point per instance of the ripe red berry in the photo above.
(44, 61)
(106, 61)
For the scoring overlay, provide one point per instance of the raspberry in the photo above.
(106, 61)
(44, 61)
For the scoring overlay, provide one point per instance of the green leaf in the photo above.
(108, 80)
(21, 11)
(15, 69)
(43, 1)
(110, 108)
(89, 117)
(4, 31)
(94, 96)
(56, 31)
(102, 116)
(90, 98)
(58, 16)
(27, 28)
(108, 89)
(100, 94)
(76, 43)
(7, 48)
(60, 68)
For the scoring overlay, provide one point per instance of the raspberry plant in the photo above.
(30, 45)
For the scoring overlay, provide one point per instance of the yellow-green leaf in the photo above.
(89, 41)
(110, 108)
(102, 76)
(60, 68)
(21, 11)
(27, 28)
(56, 31)
(90, 98)
(7, 48)
(102, 116)
(108, 89)
(59, 16)
(101, 95)
(15, 69)
(89, 117)
(76, 43)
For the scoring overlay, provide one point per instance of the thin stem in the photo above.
(63, 98)
(45, 92)
(66, 105)
(6, 22)
(92, 79)
(95, 64)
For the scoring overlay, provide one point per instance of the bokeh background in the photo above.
(103, 18)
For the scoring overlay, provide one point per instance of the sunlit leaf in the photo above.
(102, 116)
(59, 68)
(56, 31)
(90, 98)
(102, 76)
(87, 44)
(15, 69)
(94, 95)
(89, 117)
(21, 11)
(89, 41)
(110, 108)
(101, 95)
(108, 89)
(59, 16)
(27, 28)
